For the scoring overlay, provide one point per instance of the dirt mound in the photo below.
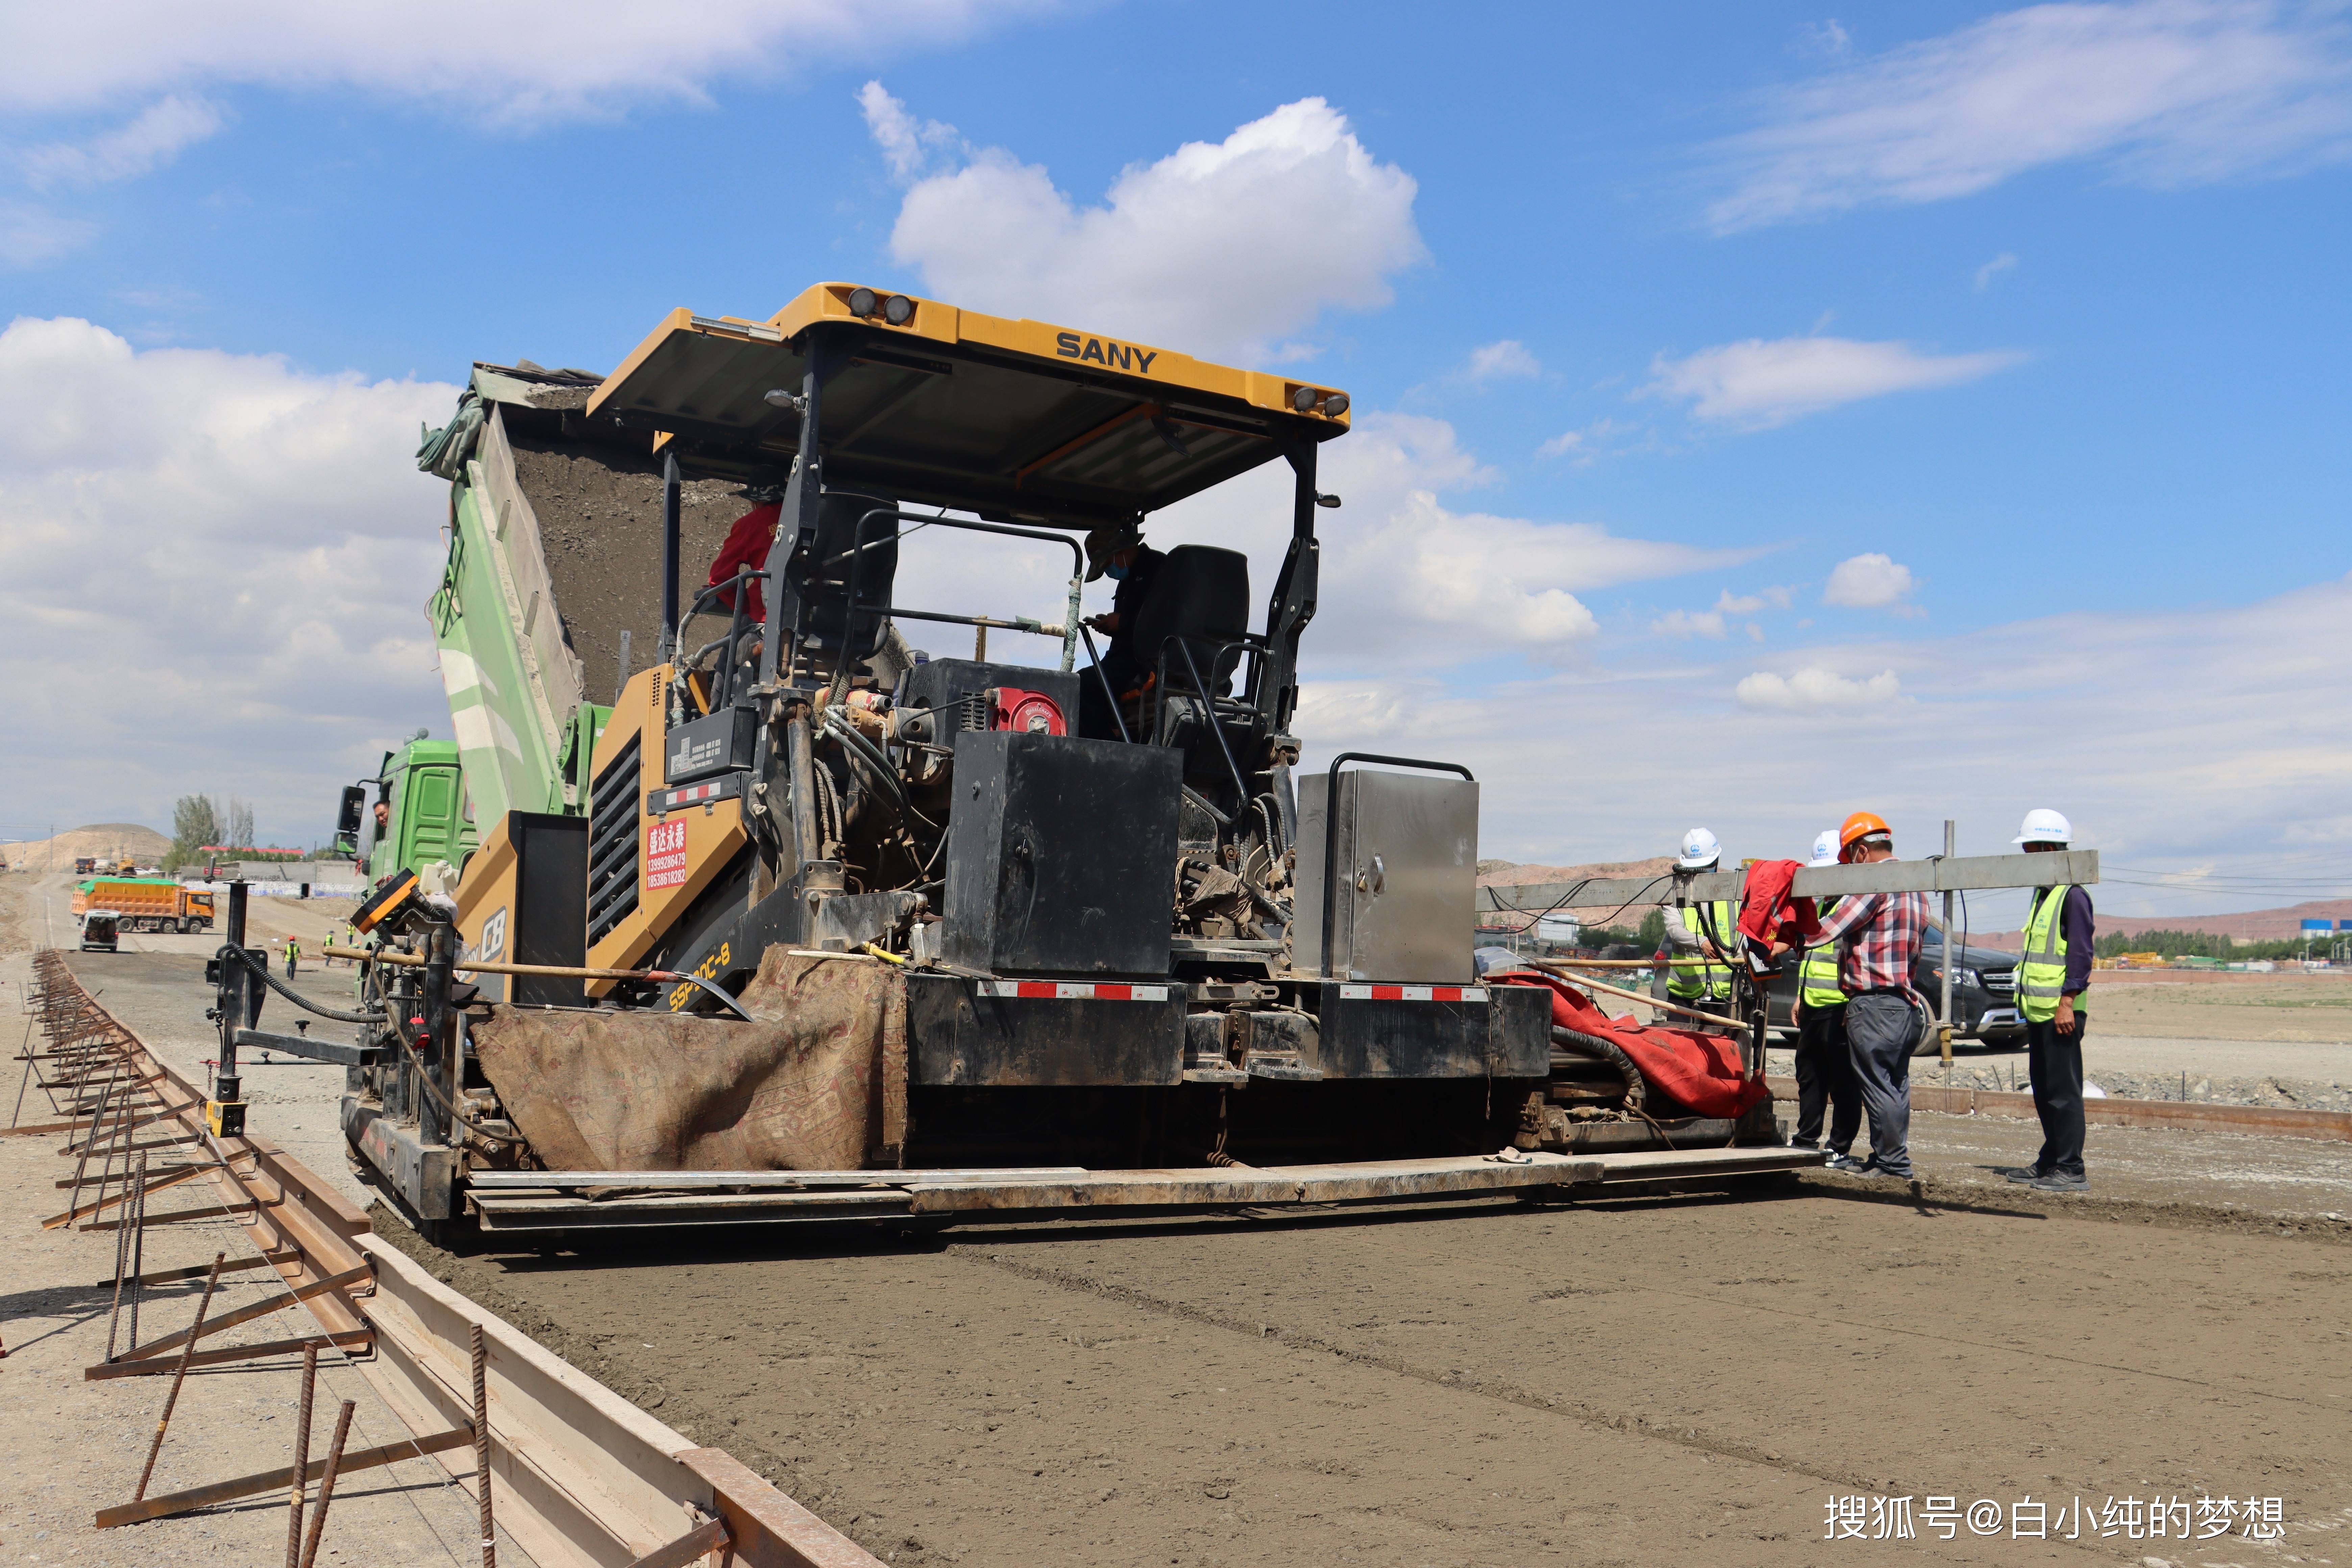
(107, 840)
(600, 522)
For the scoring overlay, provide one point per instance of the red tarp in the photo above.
(1699, 1072)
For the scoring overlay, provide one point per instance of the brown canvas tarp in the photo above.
(819, 1083)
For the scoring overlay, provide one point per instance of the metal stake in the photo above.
(120, 1138)
(138, 1247)
(482, 1448)
(327, 1483)
(79, 1166)
(1951, 955)
(122, 1251)
(301, 1456)
(27, 1048)
(179, 1376)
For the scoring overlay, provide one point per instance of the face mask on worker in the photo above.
(1115, 571)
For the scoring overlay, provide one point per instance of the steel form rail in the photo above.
(584, 1478)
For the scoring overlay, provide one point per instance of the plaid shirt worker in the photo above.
(1880, 933)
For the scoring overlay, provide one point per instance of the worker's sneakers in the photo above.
(2024, 1172)
(1847, 1163)
(2058, 1182)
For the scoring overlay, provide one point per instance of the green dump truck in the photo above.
(537, 590)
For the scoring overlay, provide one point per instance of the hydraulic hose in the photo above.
(1577, 1043)
(252, 967)
(863, 750)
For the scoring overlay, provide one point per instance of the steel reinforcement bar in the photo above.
(582, 1478)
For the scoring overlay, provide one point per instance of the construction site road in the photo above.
(70, 1445)
(1644, 1381)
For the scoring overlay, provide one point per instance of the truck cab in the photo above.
(420, 815)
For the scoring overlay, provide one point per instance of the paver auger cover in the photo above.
(816, 1081)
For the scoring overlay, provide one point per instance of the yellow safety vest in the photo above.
(1817, 976)
(1696, 974)
(2042, 973)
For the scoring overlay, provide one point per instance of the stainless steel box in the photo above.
(1408, 853)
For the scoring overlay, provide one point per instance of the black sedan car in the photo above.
(1984, 994)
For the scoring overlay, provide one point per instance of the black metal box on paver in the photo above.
(715, 743)
(1059, 852)
(550, 887)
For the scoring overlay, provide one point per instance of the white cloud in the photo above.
(2207, 762)
(1993, 269)
(1815, 687)
(529, 62)
(1602, 438)
(1869, 582)
(1714, 622)
(2165, 93)
(908, 144)
(1748, 603)
(212, 574)
(1827, 38)
(1689, 624)
(31, 235)
(1757, 383)
(153, 139)
(1501, 361)
(1219, 248)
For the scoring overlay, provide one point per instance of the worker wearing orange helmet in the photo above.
(1877, 938)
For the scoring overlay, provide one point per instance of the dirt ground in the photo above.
(156, 986)
(1677, 1380)
(69, 1446)
(1646, 1379)
(2249, 1008)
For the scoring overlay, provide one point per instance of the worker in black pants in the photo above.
(2052, 972)
(1826, 1084)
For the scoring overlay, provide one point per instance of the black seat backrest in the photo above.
(837, 518)
(1201, 593)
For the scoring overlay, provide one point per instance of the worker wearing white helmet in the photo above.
(1826, 1084)
(1704, 939)
(2052, 974)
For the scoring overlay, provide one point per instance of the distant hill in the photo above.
(110, 840)
(2252, 925)
(1502, 873)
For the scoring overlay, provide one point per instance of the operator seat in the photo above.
(1199, 599)
(1202, 595)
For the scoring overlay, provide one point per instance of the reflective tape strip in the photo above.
(1413, 993)
(666, 800)
(1073, 991)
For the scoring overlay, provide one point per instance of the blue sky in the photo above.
(1869, 396)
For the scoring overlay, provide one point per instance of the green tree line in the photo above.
(2203, 944)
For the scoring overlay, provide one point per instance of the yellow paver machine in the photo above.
(855, 932)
